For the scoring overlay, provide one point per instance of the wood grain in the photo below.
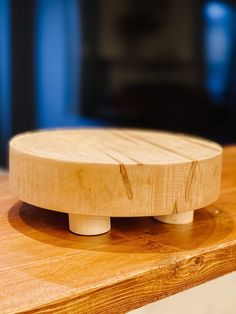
(46, 269)
(113, 172)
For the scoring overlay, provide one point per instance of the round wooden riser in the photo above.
(95, 174)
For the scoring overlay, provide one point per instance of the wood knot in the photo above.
(199, 260)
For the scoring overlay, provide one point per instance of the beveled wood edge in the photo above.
(149, 285)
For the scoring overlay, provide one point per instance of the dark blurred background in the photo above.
(152, 64)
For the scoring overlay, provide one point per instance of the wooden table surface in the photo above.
(45, 268)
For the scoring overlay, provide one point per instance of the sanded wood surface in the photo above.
(46, 269)
(115, 172)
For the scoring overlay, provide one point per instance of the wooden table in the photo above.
(45, 268)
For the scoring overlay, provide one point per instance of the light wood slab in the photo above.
(46, 269)
(112, 172)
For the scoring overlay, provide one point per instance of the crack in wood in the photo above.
(191, 140)
(126, 181)
(189, 181)
(139, 163)
(175, 210)
(112, 157)
(125, 178)
(161, 147)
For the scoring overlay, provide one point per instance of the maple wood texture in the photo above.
(115, 172)
(46, 269)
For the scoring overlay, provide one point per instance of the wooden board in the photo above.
(46, 269)
(113, 172)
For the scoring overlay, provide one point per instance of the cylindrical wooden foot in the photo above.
(180, 218)
(89, 225)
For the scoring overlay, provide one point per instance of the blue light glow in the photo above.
(219, 33)
(216, 10)
(58, 57)
(5, 74)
